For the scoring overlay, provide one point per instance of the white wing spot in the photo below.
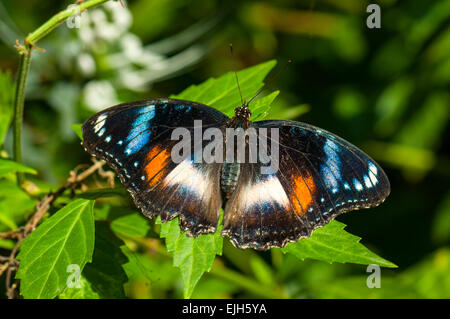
(358, 185)
(367, 181)
(269, 189)
(102, 131)
(373, 168)
(373, 178)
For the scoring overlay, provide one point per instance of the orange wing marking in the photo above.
(303, 189)
(157, 160)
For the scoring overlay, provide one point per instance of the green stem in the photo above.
(24, 67)
(59, 18)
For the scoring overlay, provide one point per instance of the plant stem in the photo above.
(24, 67)
(59, 18)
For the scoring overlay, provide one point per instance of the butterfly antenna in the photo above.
(235, 73)
(270, 81)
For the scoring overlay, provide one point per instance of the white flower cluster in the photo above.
(108, 45)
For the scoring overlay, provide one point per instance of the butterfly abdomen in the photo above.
(229, 178)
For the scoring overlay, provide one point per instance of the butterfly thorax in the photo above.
(241, 117)
(231, 170)
(243, 112)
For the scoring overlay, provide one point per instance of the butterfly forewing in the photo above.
(135, 139)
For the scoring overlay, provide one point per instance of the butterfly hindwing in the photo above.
(260, 214)
(135, 139)
(319, 177)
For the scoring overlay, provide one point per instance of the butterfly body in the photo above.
(318, 175)
(229, 178)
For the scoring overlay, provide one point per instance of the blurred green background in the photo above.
(386, 90)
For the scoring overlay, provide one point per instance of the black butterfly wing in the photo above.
(135, 140)
(319, 177)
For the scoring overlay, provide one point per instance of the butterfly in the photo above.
(319, 175)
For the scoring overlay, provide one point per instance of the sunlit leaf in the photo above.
(261, 107)
(331, 243)
(222, 92)
(194, 256)
(66, 238)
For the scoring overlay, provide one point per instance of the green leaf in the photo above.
(77, 129)
(65, 238)
(105, 273)
(6, 103)
(222, 92)
(193, 256)
(331, 243)
(7, 166)
(260, 108)
(133, 225)
(84, 292)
